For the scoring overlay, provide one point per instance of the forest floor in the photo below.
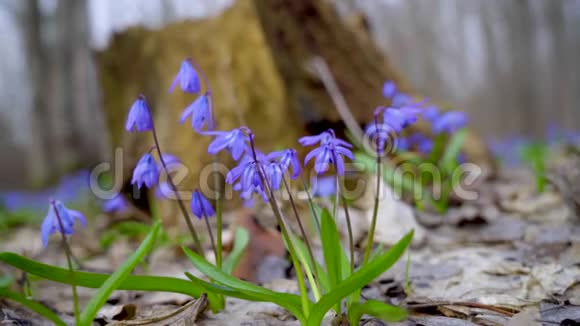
(509, 257)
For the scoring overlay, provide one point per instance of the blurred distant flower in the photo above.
(389, 89)
(200, 206)
(187, 78)
(51, 223)
(421, 142)
(199, 111)
(431, 113)
(449, 122)
(164, 191)
(169, 160)
(323, 186)
(116, 204)
(235, 141)
(139, 117)
(145, 172)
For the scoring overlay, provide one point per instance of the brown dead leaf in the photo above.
(263, 242)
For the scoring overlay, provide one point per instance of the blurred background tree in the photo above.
(509, 64)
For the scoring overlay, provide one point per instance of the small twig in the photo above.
(321, 69)
(465, 304)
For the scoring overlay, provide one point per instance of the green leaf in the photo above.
(6, 281)
(32, 305)
(331, 248)
(358, 279)
(291, 302)
(114, 281)
(449, 158)
(304, 258)
(244, 295)
(241, 240)
(95, 280)
(377, 309)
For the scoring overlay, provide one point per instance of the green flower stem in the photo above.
(304, 235)
(68, 253)
(310, 202)
(218, 214)
(348, 227)
(375, 213)
(197, 243)
(306, 303)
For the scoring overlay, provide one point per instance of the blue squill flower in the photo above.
(287, 158)
(169, 160)
(200, 206)
(422, 143)
(248, 175)
(449, 122)
(323, 186)
(234, 141)
(139, 117)
(146, 172)
(116, 204)
(431, 113)
(323, 138)
(200, 112)
(51, 223)
(389, 89)
(187, 78)
(331, 150)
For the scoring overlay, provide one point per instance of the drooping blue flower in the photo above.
(199, 111)
(169, 160)
(187, 78)
(331, 151)
(51, 223)
(164, 191)
(235, 141)
(449, 122)
(200, 206)
(139, 117)
(389, 89)
(323, 138)
(287, 158)
(248, 176)
(116, 204)
(146, 172)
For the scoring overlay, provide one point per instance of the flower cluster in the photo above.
(404, 112)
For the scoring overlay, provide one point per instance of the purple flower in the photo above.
(145, 172)
(169, 160)
(200, 207)
(323, 138)
(247, 173)
(400, 100)
(449, 122)
(287, 158)
(164, 191)
(51, 223)
(423, 143)
(139, 117)
(431, 113)
(323, 186)
(187, 78)
(331, 150)
(199, 111)
(234, 141)
(116, 204)
(389, 89)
